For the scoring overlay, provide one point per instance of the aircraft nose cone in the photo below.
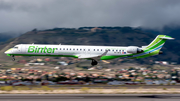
(8, 51)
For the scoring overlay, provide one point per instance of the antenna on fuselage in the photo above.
(32, 43)
(60, 44)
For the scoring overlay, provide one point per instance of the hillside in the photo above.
(112, 36)
(171, 31)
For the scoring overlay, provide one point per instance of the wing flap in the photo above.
(95, 57)
(87, 56)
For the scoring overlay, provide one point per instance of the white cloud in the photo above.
(24, 15)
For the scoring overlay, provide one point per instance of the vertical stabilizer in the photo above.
(158, 42)
(154, 47)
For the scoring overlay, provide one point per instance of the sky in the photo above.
(25, 15)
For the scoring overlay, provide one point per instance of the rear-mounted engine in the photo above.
(134, 49)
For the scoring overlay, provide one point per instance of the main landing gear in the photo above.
(94, 62)
(13, 58)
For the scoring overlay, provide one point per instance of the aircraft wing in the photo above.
(95, 57)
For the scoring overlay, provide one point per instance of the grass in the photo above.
(21, 88)
(45, 88)
(10, 88)
(120, 90)
(7, 88)
(85, 89)
(164, 88)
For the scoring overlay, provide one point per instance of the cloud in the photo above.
(25, 15)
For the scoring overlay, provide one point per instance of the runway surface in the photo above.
(90, 97)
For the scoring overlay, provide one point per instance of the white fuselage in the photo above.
(67, 49)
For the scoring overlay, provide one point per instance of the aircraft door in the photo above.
(20, 49)
(17, 49)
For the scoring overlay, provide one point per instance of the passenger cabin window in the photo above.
(88, 49)
(97, 49)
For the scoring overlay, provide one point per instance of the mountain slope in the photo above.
(112, 36)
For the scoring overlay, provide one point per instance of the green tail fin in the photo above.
(154, 47)
(158, 42)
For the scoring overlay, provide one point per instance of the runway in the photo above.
(90, 97)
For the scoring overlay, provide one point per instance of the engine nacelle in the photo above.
(134, 49)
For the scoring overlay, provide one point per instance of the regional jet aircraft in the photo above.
(94, 53)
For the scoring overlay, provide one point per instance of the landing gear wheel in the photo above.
(13, 58)
(94, 62)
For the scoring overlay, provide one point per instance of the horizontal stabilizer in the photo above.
(168, 38)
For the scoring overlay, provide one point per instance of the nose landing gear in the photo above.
(13, 58)
(94, 62)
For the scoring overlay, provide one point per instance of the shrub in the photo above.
(164, 88)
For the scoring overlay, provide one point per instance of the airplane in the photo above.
(94, 53)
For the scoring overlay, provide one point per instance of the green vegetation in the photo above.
(164, 88)
(21, 88)
(7, 88)
(121, 90)
(85, 89)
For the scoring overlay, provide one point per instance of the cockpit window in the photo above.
(15, 47)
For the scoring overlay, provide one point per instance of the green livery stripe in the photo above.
(74, 56)
(157, 39)
(112, 57)
(155, 46)
(44, 55)
(150, 54)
